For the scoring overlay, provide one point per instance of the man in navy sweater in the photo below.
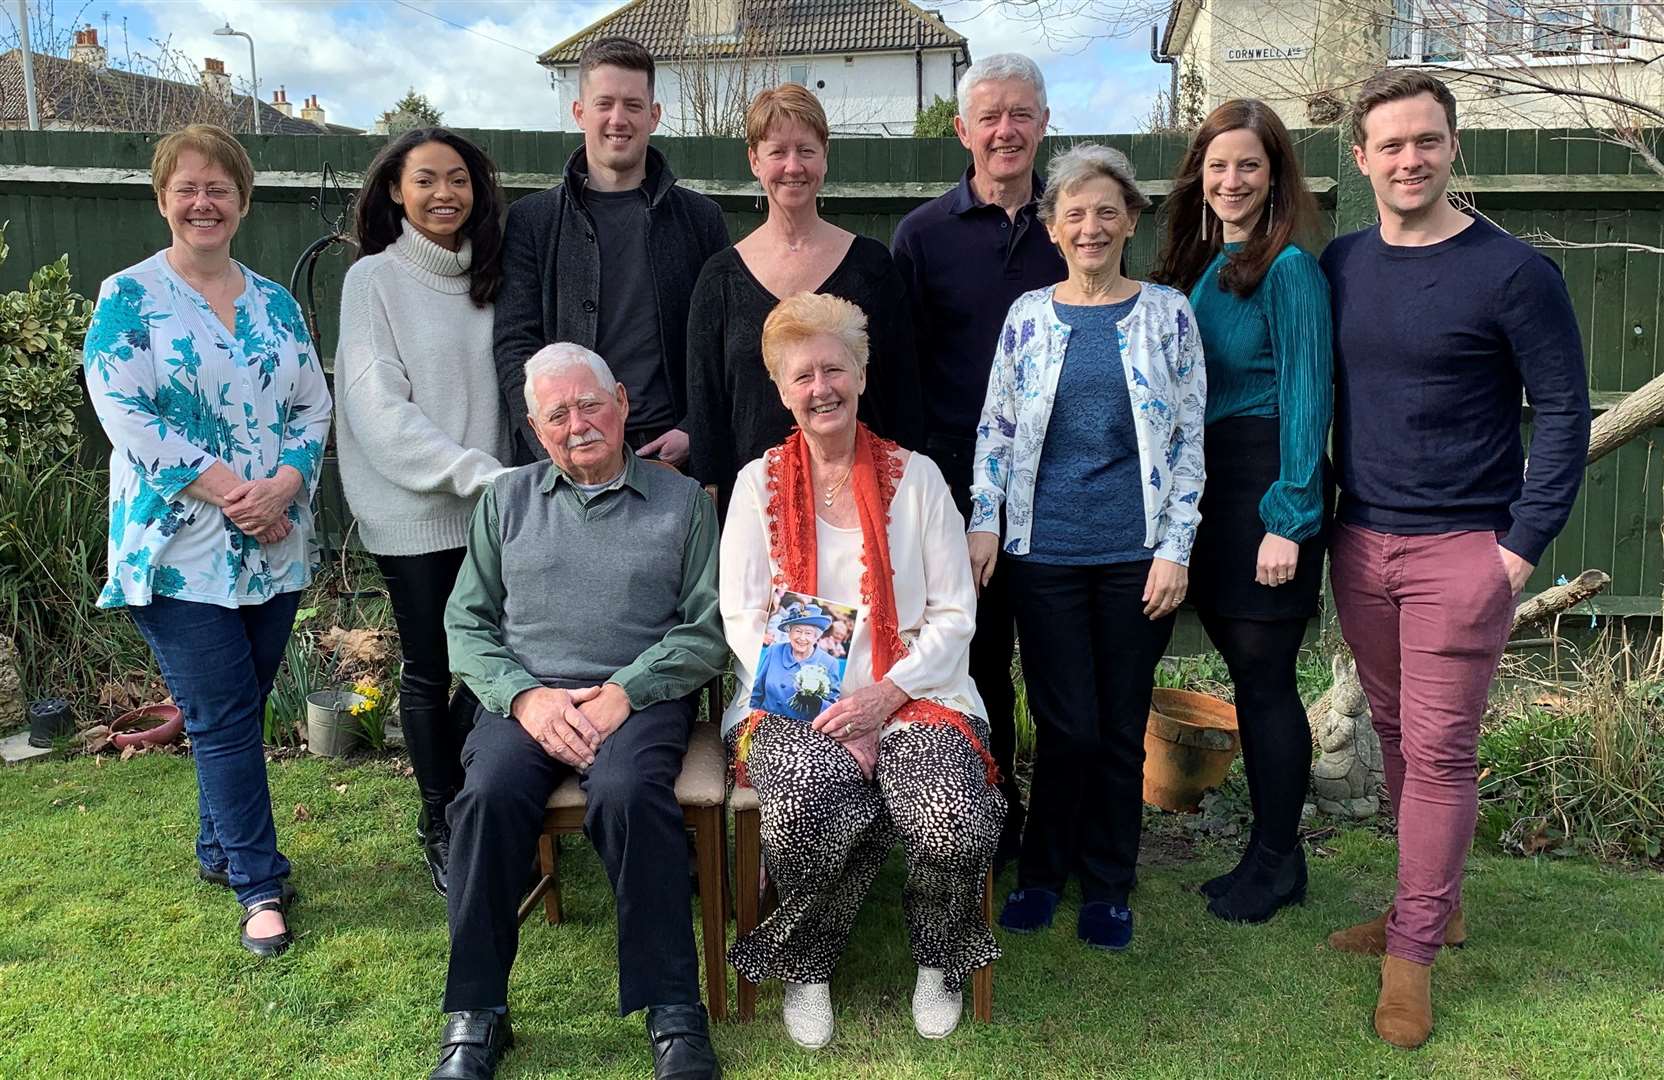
(1441, 320)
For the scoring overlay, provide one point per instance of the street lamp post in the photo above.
(253, 72)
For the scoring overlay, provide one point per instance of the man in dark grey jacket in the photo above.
(608, 258)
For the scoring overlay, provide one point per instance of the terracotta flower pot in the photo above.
(148, 725)
(1188, 746)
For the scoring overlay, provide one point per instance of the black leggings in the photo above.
(435, 721)
(1276, 738)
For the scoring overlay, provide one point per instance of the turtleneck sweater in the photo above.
(420, 429)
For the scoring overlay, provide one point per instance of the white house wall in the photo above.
(864, 93)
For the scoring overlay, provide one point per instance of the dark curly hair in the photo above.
(377, 219)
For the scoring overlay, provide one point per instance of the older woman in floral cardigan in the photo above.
(1091, 442)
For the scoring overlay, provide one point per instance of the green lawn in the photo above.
(115, 962)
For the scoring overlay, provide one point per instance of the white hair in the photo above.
(563, 356)
(1000, 66)
(1089, 161)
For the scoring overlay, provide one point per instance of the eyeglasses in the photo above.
(215, 192)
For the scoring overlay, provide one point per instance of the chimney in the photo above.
(215, 81)
(88, 51)
(713, 20)
(280, 102)
(312, 112)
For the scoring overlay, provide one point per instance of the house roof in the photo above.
(772, 27)
(73, 93)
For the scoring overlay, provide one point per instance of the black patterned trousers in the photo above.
(826, 830)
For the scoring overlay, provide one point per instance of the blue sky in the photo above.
(360, 57)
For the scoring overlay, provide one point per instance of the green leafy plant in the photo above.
(371, 714)
(41, 331)
(935, 121)
(296, 679)
(53, 525)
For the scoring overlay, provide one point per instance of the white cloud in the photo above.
(360, 58)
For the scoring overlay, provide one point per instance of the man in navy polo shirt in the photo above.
(965, 257)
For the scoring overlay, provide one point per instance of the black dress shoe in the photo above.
(681, 1043)
(266, 947)
(1269, 884)
(1218, 886)
(475, 1040)
(436, 849)
(220, 878)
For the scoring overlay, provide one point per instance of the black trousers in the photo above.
(1089, 660)
(435, 720)
(635, 824)
(990, 660)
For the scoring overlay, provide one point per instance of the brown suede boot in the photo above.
(1404, 1015)
(1370, 938)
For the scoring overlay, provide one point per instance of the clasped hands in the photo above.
(856, 719)
(571, 725)
(260, 508)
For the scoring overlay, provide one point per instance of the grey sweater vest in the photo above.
(589, 588)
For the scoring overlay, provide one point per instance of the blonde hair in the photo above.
(782, 105)
(798, 318)
(216, 144)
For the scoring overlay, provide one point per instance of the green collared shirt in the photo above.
(578, 603)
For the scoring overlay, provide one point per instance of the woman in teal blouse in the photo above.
(205, 379)
(1262, 311)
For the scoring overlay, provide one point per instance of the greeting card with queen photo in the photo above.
(805, 651)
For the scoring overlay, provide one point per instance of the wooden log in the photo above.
(1641, 410)
(1545, 605)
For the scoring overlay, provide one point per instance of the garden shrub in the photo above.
(41, 330)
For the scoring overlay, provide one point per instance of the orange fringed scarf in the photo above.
(791, 541)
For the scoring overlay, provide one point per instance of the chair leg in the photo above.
(549, 854)
(711, 849)
(982, 979)
(748, 857)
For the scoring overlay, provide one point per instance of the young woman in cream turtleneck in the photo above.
(420, 425)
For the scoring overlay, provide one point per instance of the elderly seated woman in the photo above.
(837, 512)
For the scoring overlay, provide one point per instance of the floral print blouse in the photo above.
(176, 391)
(1161, 357)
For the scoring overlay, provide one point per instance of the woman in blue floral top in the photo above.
(1091, 443)
(207, 383)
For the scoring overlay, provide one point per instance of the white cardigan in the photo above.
(935, 600)
(420, 426)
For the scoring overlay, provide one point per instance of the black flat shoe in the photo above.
(1219, 886)
(436, 850)
(220, 878)
(681, 1039)
(473, 1044)
(1271, 883)
(265, 947)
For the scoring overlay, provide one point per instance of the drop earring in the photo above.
(1270, 207)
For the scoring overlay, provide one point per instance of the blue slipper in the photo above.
(1104, 925)
(1028, 910)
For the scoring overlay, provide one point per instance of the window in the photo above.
(799, 74)
(1552, 33)
(1464, 31)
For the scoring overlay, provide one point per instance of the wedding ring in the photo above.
(846, 729)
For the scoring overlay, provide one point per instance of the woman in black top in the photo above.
(734, 411)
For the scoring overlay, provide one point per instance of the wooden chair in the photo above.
(699, 789)
(750, 907)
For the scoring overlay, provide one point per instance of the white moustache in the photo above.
(575, 441)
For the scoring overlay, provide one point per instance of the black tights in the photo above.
(1276, 738)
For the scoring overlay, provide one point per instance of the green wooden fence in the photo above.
(88, 194)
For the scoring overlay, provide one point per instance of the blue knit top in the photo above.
(1088, 505)
(1271, 354)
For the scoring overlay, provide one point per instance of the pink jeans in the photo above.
(1426, 618)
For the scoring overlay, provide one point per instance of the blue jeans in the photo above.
(219, 664)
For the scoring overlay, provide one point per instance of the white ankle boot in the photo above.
(808, 1013)
(936, 1009)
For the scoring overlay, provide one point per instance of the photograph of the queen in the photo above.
(795, 677)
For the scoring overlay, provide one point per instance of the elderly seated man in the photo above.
(584, 617)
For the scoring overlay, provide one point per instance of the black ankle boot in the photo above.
(1219, 886)
(1269, 884)
(436, 847)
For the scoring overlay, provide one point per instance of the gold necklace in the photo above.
(833, 489)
